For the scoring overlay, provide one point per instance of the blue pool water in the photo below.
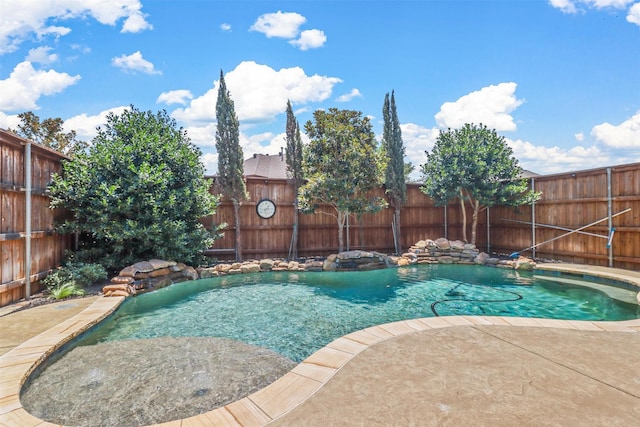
(295, 314)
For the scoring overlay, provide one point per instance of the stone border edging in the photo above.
(276, 399)
(146, 276)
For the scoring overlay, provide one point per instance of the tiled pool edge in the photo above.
(284, 394)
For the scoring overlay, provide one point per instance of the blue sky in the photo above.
(559, 79)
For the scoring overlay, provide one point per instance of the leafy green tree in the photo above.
(49, 132)
(294, 168)
(341, 165)
(394, 177)
(475, 165)
(137, 193)
(230, 160)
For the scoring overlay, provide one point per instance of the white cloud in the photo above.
(175, 97)
(259, 93)
(634, 14)
(85, 126)
(210, 161)
(349, 96)
(280, 24)
(536, 158)
(579, 137)
(547, 160)
(202, 136)
(310, 39)
(135, 23)
(9, 121)
(566, 6)
(225, 27)
(624, 135)
(490, 106)
(41, 55)
(134, 62)
(575, 6)
(417, 139)
(601, 4)
(21, 19)
(26, 85)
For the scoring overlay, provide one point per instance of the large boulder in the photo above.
(442, 243)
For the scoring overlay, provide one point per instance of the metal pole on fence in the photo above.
(446, 225)
(609, 213)
(27, 220)
(533, 221)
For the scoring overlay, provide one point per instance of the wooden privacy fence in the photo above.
(27, 240)
(568, 201)
(572, 201)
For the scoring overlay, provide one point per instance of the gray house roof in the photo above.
(266, 166)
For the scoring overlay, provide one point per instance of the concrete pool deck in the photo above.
(462, 370)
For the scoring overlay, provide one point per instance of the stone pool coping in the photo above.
(292, 389)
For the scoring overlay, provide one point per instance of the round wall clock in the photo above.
(266, 208)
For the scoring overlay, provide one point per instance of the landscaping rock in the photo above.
(148, 275)
(457, 245)
(442, 243)
(158, 264)
(250, 268)
(160, 272)
(266, 264)
(329, 265)
(206, 273)
(525, 264)
(143, 267)
(482, 258)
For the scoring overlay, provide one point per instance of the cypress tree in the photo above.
(294, 169)
(395, 184)
(230, 159)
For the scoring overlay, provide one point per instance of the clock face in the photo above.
(266, 208)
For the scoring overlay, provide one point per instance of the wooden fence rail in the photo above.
(24, 230)
(568, 201)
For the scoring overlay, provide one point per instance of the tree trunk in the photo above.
(342, 216)
(464, 218)
(397, 233)
(294, 238)
(474, 224)
(236, 215)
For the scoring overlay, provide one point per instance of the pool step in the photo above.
(619, 294)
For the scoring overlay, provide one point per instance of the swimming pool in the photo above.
(295, 314)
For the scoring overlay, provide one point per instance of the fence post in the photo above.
(446, 225)
(609, 212)
(533, 221)
(27, 221)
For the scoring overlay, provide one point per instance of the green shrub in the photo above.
(138, 193)
(76, 273)
(65, 290)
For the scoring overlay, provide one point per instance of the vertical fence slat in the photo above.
(47, 248)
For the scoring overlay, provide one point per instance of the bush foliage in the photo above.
(71, 279)
(137, 193)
